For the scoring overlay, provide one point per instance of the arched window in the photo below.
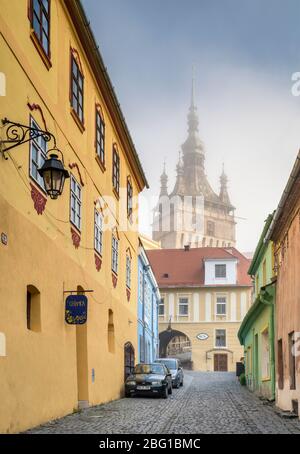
(111, 332)
(33, 309)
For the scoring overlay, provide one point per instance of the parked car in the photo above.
(175, 368)
(149, 379)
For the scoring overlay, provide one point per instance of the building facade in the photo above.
(192, 213)
(257, 331)
(148, 302)
(56, 81)
(285, 233)
(205, 294)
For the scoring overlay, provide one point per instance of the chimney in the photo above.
(186, 247)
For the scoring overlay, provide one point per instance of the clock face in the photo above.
(202, 336)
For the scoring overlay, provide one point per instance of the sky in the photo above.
(244, 53)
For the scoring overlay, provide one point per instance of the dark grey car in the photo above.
(175, 368)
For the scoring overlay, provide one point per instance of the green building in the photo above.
(256, 333)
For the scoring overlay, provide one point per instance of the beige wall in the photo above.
(202, 318)
(288, 305)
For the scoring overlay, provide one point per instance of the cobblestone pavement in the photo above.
(208, 403)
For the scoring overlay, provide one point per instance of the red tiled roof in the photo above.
(186, 268)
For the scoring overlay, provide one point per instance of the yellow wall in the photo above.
(38, 379)
(202, 318)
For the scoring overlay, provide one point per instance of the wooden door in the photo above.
(220, 362)
(128, 359)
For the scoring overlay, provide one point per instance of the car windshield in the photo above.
(169, 363)
(149, 369)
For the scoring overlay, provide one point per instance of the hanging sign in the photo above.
(202, 336)
(76, 309)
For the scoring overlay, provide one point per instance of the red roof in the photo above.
(181, 268)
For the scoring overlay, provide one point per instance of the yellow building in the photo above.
(206, 293)
(56, 82)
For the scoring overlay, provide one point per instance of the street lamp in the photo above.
(53, 174)
(52, 171)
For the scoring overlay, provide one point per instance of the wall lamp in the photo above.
(52, 171)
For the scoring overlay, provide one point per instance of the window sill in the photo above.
(45, 58)
(75, 228)
(100, 163)
(266, 379)
(77, 120)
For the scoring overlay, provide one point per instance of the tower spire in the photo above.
(164, 181)
(224, 197)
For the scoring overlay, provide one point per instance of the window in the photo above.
(40, 22)
(292, 361)
(210, 228)
(221, 305)
(220, 338)
(75, 216)
(265, 354)
(220, 271)
(38, 150)
(116, 171)
(100, 137)
(161, 307)
(129, 199)
(142, 348)
(115, 254)
(128, 270)
(98, 232)
(33, 309)
(183, 307)
(76, 89)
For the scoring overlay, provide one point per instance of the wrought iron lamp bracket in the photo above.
(18, 134)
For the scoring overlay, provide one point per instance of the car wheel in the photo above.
(165, 393)
(127, 394)
(177, 383)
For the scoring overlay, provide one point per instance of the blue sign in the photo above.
(76, 309)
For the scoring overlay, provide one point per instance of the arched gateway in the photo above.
(176, 344)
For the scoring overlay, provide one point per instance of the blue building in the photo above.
(148, 301)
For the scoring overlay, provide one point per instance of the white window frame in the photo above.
(220, 265)
(98, 232)
(40, 146)
(220, 346)
(222, 304)
(161, 304)
(75, 202)
(128, 270)
(114, 254)
(180, 305)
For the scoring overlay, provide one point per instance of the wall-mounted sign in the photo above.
(76, 309)
(202, 336)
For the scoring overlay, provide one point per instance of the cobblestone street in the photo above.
(207, 403)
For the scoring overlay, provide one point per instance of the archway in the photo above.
(176, 344)
(128, 359)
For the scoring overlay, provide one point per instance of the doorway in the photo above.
(220, 362)
(128, 359)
